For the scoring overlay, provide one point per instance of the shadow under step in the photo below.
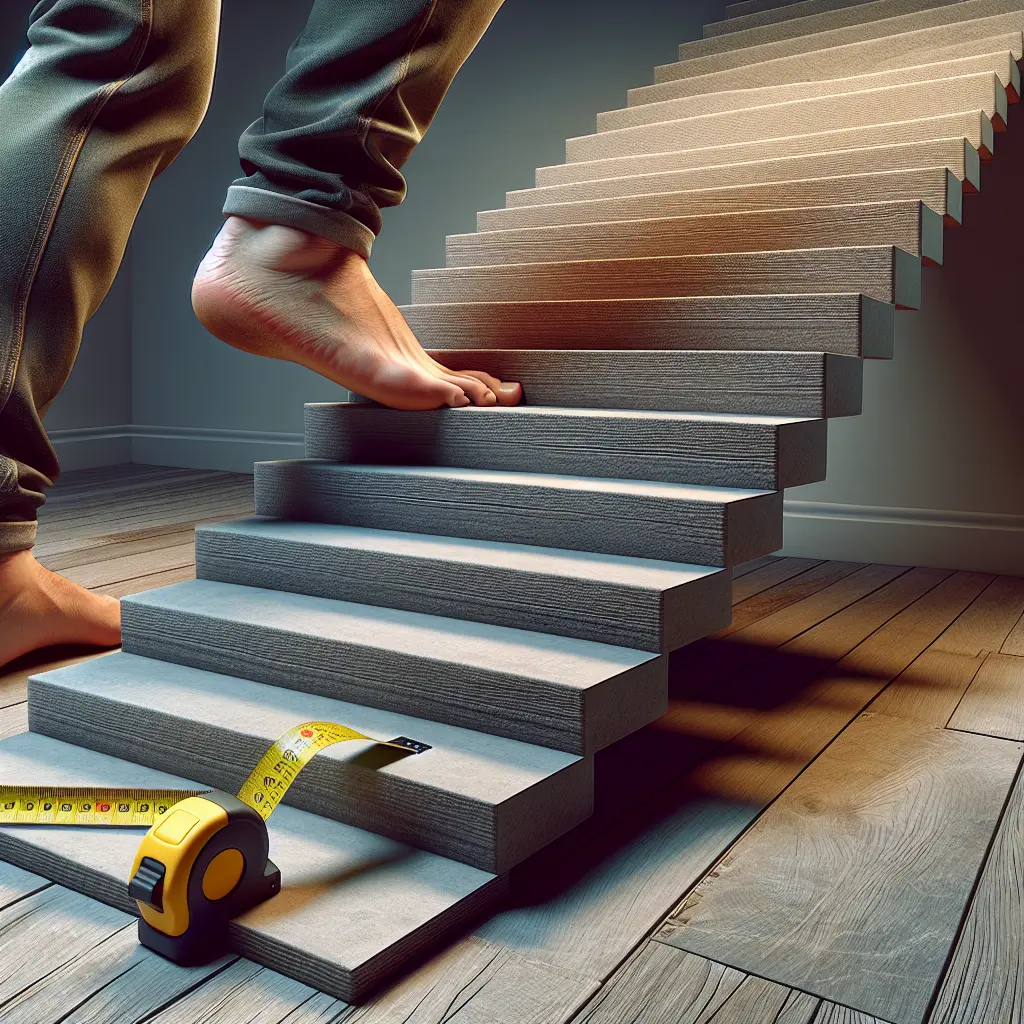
(813, 384)
(483, 800)
(723, 450)
(354, 910)
(881, 272)
(909, 225)
(644, 604)
(699, 525)
(572, 695)
(743, 326)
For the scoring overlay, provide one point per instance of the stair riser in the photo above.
(759, 383)
(842, 325)
(911, 49)
(877, 107)
(720, 454)
(755, 13)
(971, 125)
(640, 526)
(498, 702)
(645, 619)
(879, 272)
(937, 187)
(909, 226)
(356, 794)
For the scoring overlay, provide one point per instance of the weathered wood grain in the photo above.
(930, 689)
(16, 884)
(838, 324)
(988, 622)
(770, 383)
(971, 125)
(830, 1013)
(13, 720)
(14, 677)
(897, 814)
(985, 979)
(151, 582)
(908, 225)
(955, 154)
(890, 105)
(118, 569)
(880, 272)
(994, 702)
(91, 553)
(1014, 643)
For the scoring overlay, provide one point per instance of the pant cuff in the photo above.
(16, 537)
(259, 204)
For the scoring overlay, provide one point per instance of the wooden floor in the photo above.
(826, 827)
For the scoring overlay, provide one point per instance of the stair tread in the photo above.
(755, 13)
(378, 903)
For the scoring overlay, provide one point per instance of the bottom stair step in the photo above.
(354, 908)
(483, 800)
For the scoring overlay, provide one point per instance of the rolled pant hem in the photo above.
(259, 204)
(16, 537)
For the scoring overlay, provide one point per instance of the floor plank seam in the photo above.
(156, 1011)
(981, 665)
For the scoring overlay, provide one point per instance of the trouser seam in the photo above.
(51, 206)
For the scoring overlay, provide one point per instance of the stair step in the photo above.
(644, 604)
(1000, 61)
(378, 907)
(937, 187)
(552, 691)
(605, 294)
(482, 800)
(728, 35)
(971, 125)
(761, 452)
(753, 13)
(911, 226)
(950, 15)
(984, 92)
(955, 154)
(885, 54)
(841, 324)
(760, 383)
(714, 526)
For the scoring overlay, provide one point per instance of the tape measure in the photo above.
(206, 856)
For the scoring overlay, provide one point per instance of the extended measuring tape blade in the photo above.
(99, 806)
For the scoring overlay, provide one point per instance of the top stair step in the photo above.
(755, 13)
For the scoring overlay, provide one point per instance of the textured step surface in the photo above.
(848, 325)
(768, 383)
(886, 54)
(954, 14)
(880, 272)
(483, 800)
(354, 908)
(937, 187)
(911, 226)
(767, 453)
(702, 525)
(984, 92)
(1000, 61)
(640, 603)
(573, 695)
(955, 154)
(754, 13)
(971, 125)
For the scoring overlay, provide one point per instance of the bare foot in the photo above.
(280, 292)
(38, 609)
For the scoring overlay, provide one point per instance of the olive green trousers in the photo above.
(110, 91)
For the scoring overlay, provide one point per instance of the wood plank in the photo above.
(91, 553)
(13, 720)
(897, 814)
(911, 226)
(662, 985)
(117, 570)
(988, 622)
(994, 701)
(770, 573)
(1014, 643)
(985, 979)
(151, 582)
(930, 689)
(971, 125)
(830, 1013)
(14, 676)
(752, 566)
(16, 884)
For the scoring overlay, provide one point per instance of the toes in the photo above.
(510, 393)
(476, 389)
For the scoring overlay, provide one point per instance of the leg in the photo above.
(287, 276)
(105, 98)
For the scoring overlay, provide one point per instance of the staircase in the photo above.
(687, 300)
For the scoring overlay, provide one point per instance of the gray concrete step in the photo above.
(644, 604)
(714, 526)
(378, 904)
(754, 13)
(552, 691)
(479, 799)
(762, 452)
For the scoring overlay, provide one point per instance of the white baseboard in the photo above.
(939, 538)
